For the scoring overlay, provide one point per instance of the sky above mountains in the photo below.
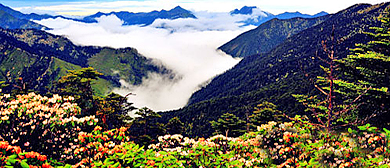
(87, 7)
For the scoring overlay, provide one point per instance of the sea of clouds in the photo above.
(188, 47)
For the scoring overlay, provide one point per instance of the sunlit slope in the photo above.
(41, 58)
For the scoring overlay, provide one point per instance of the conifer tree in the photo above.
(113, 110)
(370, 65)
(338, 100)
(361, 87)
(265, 112)
(145, 128)
(78, 83)
(175, 126)
(228, 124)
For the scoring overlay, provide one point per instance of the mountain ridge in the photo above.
(10, 19)
(268, 35)
(264, 16)
(129, 18)
(142, 18)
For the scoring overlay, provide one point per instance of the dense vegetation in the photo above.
(276, 75)
(297, 143)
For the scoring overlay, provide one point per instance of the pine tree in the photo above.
(265, 112)
(229, 124)
(175, 126)
(113, 110)
(78, 84)
(370, 65)
(339, 100)
(361, 87)
(145, 128)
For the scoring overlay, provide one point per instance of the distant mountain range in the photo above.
(13, 19)
(259, 16)
(142, 18)
(280, 71)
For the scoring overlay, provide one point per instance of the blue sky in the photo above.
(85, 7)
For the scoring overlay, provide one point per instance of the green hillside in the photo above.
(41, 58)
(268, 35)
(276, 75)
(125, 64)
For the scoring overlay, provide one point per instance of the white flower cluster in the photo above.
(88, 119)
(48, 110)
(4, 113)
(267, 127)
(56, 98)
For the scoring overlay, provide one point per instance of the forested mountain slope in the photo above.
(41, 58)
(275, 75)
(258, 17)
(268, 35)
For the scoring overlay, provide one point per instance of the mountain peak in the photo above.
(178, 8)
(322, 13)
(246, 10)
(143, 18)
(296, 12)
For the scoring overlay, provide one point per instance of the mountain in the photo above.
(31, 16)
(129, 18)
(12, 12)
(246, 10)
(142, 18)
(288, 15)
(275, 75)
(259, 17)
(40, 58)
(268, 35)
(9, 19)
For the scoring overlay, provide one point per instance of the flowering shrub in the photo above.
(282, 145)
(113, 149)
(38, 131)
(42, 124)
(12, 156)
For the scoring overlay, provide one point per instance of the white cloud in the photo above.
(189, 52)
(206, 21)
